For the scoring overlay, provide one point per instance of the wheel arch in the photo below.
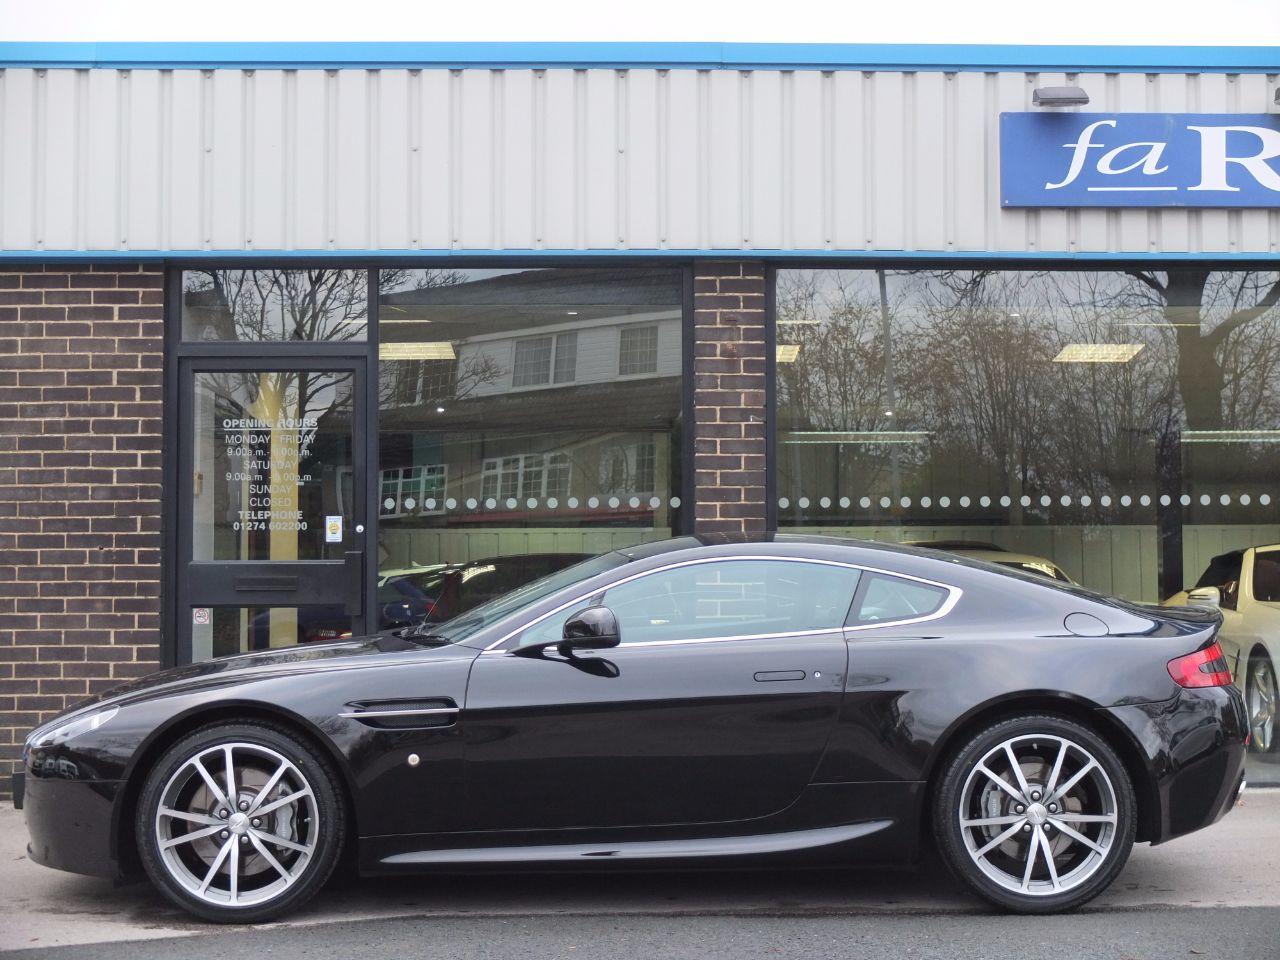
(1071, 707)
(123, 834)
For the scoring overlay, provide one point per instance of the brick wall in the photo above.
(81, 367)
(729, 397)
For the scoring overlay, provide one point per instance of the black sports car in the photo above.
(786, 700)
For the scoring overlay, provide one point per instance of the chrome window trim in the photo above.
(953, 597)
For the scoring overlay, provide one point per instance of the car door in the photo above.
(715, 706)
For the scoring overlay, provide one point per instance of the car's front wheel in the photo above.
(239, 823)
(1261, 697)
(1035, 814)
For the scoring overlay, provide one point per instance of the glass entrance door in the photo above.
(271, 525)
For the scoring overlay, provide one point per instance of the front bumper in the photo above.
(1193, 748)
(69, 824)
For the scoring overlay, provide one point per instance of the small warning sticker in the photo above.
(201, 616)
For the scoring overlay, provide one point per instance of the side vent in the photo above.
(403, 714)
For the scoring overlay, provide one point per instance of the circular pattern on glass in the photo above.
(552, 503)
(511, 503)
(1185, 500)
(1264, 499)
(984, 502)
(944, 502)
(1126, 500)
(964, 501)
(802, 503)
(926, 502)
(572, 503)
(865, 503)
(633, 503)
(1205, 499)
(1245, 499)
(824, 502)
(885, 503)
(613, 503)
(471, 503)
(531, 503)
(675, 502)
(654, 503)
(1085, 500)
(1024, 500)
(593, 502)
(1038, 815)
(1064, 500)
(429, 504)
(783, 503)
(1006, 501)
(1046, 500)
(1165, 500)
(1105, 500)
(410, 503)
(450, 503)
(389, 503)
(844, 503)
(490, 504)
(905, 502)
(237, 824)
(1224, 499)
(1145, 500)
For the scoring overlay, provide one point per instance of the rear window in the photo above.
(884, 599)
(1266, 576)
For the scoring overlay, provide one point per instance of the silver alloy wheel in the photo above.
(1038, 815)
(1261, 698)
(237, 824)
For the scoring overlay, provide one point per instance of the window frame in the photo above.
(954, 594)
(635, 328)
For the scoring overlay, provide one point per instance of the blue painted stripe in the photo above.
(831, 56)
(370, 257)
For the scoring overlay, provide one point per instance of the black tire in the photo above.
(321, 826)
(957, 791)
(1261, 670)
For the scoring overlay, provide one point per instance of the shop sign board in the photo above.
(1059, 159)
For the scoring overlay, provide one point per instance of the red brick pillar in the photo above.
(81, 375)
(729, 397)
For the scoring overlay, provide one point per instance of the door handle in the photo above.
(765, 676)
(354, 562)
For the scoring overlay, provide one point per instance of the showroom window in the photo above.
(587, 462)
(1122, 427)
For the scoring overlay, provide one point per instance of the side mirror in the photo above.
(592, 628)
(1210, 597)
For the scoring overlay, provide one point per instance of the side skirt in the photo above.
(640, 850)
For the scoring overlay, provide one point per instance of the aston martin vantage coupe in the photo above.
(785, 700)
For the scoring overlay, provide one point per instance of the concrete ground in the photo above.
(1151, 911)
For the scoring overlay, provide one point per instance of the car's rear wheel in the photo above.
(240, 823)
(1261, 697)
(1035, 814)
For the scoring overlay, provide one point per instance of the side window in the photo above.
(885, 599)
(732, 598)
(1266, 576)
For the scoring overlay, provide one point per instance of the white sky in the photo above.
(1171, 22)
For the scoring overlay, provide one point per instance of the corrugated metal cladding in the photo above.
(563, 159)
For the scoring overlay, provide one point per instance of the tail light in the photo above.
(1204, 668)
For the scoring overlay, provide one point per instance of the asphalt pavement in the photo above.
(1215, 893)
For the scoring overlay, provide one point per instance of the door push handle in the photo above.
(265, 584)
(353, 561)
(765, 676)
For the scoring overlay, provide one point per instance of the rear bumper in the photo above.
(69, 825)
(1193, 748)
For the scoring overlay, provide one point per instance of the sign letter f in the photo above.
(1079, 150)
